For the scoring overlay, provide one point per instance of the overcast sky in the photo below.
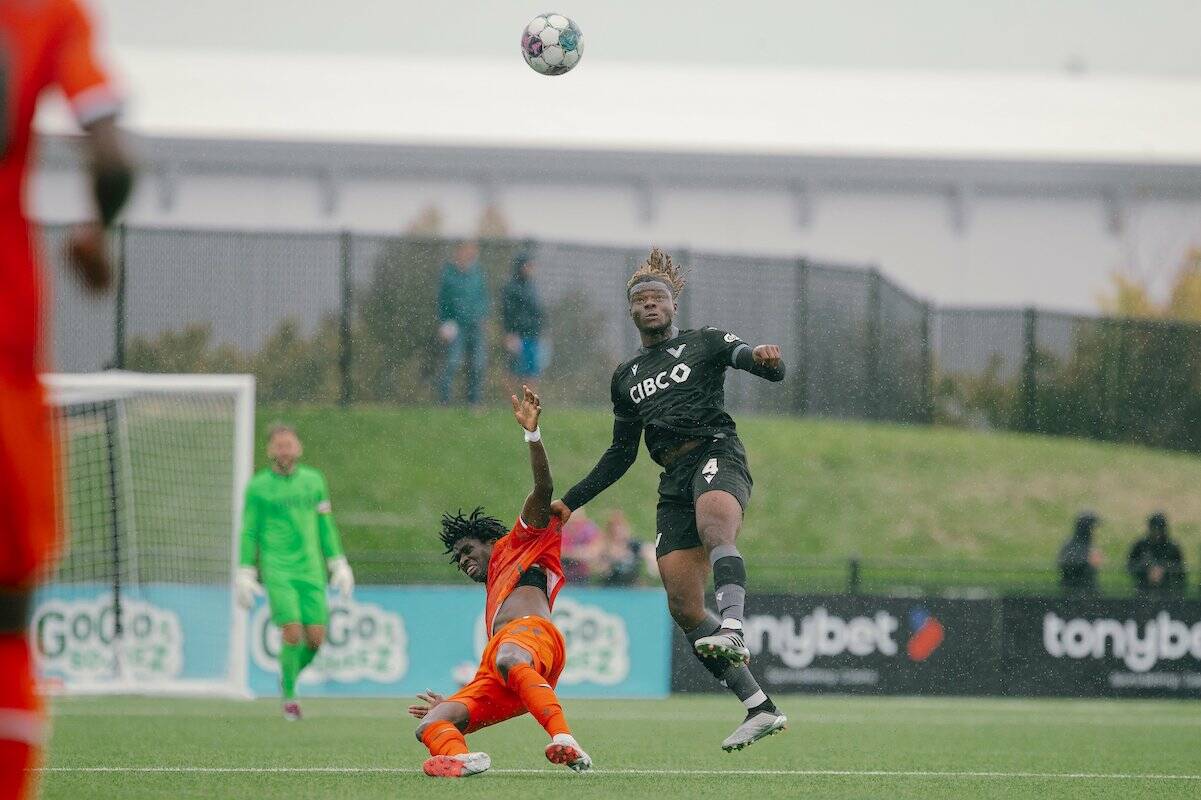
(1141, 36)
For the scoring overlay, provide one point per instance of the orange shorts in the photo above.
(28, 487)
(488, 699)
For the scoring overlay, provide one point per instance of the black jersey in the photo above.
(673, 391)
(676, 388)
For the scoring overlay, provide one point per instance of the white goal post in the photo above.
(153, 473)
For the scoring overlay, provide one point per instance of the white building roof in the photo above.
(238, 96)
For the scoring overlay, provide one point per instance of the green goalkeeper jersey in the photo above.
(288, 526)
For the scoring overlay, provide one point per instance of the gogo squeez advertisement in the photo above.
(399, 641)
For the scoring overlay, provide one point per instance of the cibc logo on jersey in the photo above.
(664, 380)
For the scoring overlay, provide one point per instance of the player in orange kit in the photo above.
(43, 43)
(525, 652)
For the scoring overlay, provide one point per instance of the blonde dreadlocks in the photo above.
(658, 267)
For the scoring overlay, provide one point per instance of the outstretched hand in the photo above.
(527, 409)
(430, 698)
(767, 355)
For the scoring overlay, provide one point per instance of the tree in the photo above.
(1132, 297)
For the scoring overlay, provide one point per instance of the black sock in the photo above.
(729, 583)
(738, 679)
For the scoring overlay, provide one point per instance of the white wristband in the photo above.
(535, 435)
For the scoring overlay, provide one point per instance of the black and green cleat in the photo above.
(726, 645)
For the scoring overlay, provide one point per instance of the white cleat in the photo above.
(754, 728)
(726, 645)
(292, 711)
(460, 766)
(564, 749)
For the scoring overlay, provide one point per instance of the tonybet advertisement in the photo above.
(1103, 647)
(402, 640)
(859, 644)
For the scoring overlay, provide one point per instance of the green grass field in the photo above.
(837, 747)
(824, 490)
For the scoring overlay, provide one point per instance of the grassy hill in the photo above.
(921, 506)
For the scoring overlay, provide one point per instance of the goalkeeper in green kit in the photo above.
(288, 531)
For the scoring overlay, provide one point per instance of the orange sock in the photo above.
(539, 699)
(444, 739)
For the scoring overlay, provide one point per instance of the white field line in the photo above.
(962, 720)
(812, 773)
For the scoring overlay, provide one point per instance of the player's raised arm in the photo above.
(762, 360)
(527, 410)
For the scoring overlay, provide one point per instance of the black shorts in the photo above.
(719, 464)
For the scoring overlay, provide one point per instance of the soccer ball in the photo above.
(552, 44)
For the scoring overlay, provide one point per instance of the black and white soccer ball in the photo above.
(552, 44)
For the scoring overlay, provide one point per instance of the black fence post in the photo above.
(853, 576)
(800, 380)
(926, 413)
(684, 259)
(120, 309)
(1029, 391)
(872, 346)
(346, 307)
(1121, 398)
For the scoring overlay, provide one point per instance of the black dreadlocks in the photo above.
(478, 526)
(658, 267)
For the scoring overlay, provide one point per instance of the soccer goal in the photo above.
(153, 471)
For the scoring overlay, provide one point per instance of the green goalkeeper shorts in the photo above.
(296, 600)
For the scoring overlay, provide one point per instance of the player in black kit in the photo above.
(674, 390)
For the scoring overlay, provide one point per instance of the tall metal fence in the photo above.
(341, 317)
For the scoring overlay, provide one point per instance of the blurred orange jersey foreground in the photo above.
(43, 43)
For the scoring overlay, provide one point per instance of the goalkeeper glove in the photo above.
(246, 586)
(340, 576)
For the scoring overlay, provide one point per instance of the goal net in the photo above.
(153, 470)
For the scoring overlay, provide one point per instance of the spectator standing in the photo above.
(462, 310)
(1078, 558)
(1155, 562)
(523, 317)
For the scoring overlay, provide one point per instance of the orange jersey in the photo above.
(43, 43)
(28, 489)
(514, 553)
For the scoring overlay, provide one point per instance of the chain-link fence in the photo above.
(1124, 380)
(340, 317)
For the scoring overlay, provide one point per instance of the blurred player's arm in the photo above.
(536, 511)
(246, 584)
(96, 107)
(615, 462)
(341, 577)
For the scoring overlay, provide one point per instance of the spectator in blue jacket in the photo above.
(523, 317)
(462, 311)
